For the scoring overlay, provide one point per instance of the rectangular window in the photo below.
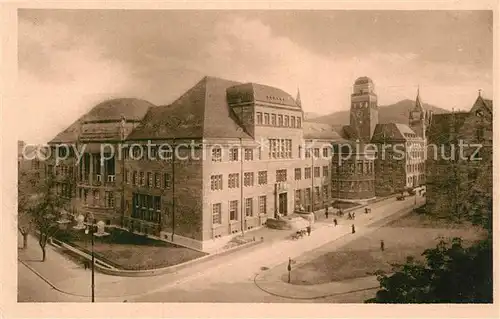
(96, 197)
(126, 176)
(109, 198)
(325, 152)
(233, 154)
(360, 167)
(292, 121)
(259, 118)
(298, 200)
(262, 177)
(248, 179)
(141, 175)
(298, 174)
(287, 121)
(262, 205)
(307, 172)
(216, 154)
(157, 180)
(134, 178)
(308, 153)
(216, 182)
(150, 179)
(316, 152)
(166, 180)
(248, 154)
(316, 172)
(299, 125)
(233, 210)
(259, 150)
(325, 171)
(281, 175)
(266, 118)
(300, 152)
(216, 214)
(273, 119)
(316, 194)
(248, 207)
(234, 180)
(280, 120)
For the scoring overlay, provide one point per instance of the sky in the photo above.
(70, 60)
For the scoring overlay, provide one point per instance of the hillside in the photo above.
(394, 113)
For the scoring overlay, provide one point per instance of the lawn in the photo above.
(409, 236)
(129, 251)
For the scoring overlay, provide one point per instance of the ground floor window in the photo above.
(233, 210)
(216, 213)
(249, 207)
(146, 207)
(262, 205)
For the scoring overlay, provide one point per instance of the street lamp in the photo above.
(87, 231)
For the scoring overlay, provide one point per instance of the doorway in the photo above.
(283, 204)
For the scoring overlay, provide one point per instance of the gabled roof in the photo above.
(251, 92)
(482, 103)
(200, 112)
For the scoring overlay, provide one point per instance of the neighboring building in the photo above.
(450, 178)
(399, 160)
(248, 158)
(28, 160)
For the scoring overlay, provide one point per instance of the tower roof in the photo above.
(363, 80)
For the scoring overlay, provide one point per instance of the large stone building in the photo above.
(451, 176)
(242, 154)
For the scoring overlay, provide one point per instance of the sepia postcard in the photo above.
(180, 159)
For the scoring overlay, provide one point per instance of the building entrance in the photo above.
(283, 204)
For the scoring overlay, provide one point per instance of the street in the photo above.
(228, 278)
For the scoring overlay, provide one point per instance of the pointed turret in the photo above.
(297, 100)
(417, 116)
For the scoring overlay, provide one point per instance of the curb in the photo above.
(377, 224)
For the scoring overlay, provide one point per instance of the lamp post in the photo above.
(87, 231)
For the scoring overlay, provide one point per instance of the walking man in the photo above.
(335, 221)
(326, 211)
(382, 245)
(353, 229)
(353, 216)
(309, 230)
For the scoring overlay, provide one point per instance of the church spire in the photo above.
(297, 100)
(418, 102)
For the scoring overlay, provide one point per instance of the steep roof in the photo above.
(200, 112)
(131, 109)
(249, 92)
(321, 131)
(480, 103)
(392, 132)
(440, 130)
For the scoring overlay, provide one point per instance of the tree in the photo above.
(451, 274)
(26, 193)
(39, 207)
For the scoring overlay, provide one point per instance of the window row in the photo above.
(307, 172)
(148, 179)
(248, 154)
(146, 207)
(411, 168)
(63, 190)
(91, 197)
(234, 212)
(360, 167)
(352, 186)
(280, 148)
(278, 120)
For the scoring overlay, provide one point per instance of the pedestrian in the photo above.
(353, 216)
(382, 245)
(353, 229)
(309, 230)
(335, 221)
(349, 216)
(326, 211)
(85, 264)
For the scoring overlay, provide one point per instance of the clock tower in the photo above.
(417, 120)
(364, 108)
